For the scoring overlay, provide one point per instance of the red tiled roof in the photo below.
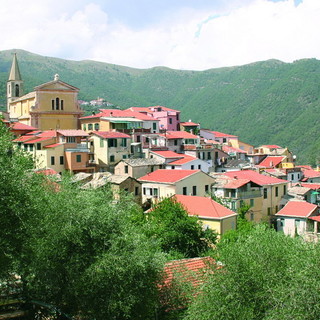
(197, 265)
(301, 209)
(316, 218)
(229, 149)
(73, 133)
(21, 126)
(47, 172)
(218, 134)
(48, 133)
(204, 207)
(168, 154)
(271, 161)
(236, 183)
(183, 160)
(163, 109)
(180, 135)
(189, 124)
(311, 174)
(167, 176)
(255, 177)
(37, 140)
(23, 138)
(313, 186)
(53, 145)
(111, 134)
(138, 109)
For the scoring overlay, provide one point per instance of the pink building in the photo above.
(169, 118)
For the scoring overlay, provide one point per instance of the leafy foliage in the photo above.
(180, 235)
(265, 275)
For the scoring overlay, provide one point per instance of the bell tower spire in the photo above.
(14, 83)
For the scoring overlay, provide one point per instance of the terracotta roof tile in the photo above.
(73, 133)
(301, 209)
(271, 161)
(255, 177)
(168, 154)
(204, 207)
(167, 176)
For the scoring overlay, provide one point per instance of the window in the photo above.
(170, 120)
(265, 193)
(175, 142)
(124, 142)
(184, 191)
(269, 211)
(284, 189)
(233, 193)
(17, 90)
(19, 145)
(126, 169)
(84, 126)
(96, 126)
(155, 192)
(233, 205)
(277, 209)
(199, 166)
(209, 156)
(277, 191)
(192, 167)
(136, 191)
(78, 158)
(251, 203)
(71, 139)
(38, 146)
(61, 105)
(154, 126)
(61, 160)
(172, 167)
(281, 222)
(90, 126)
(224, 140)
(57, 103)
(31, 147)
(206, 188)
(112, 143)
(194, 190)
(52, 160)
(25, 147)
(124, 156)
(101, 143)
(112, 158)
(138, 138)
(52, 104)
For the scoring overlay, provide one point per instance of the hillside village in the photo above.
(154, 153)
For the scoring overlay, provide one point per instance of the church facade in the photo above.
(51, 106)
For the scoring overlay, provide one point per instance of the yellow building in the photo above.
(52, 105)
(212, 214)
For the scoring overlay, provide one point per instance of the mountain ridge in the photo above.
(264, 102)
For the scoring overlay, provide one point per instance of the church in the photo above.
(51, 106)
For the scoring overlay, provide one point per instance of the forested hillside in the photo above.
(268, 102)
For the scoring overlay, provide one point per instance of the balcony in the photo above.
(78, 148)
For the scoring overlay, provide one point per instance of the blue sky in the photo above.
(181, 34)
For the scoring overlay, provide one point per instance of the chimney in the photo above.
(235, 177)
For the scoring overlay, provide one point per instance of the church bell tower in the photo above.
(14, 83)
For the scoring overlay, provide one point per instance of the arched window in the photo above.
(96, 126)
(61, 104)
(57, 103)
(90, 126)
(17, 90)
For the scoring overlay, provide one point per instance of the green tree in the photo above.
(179, 234)
(89, 258)
(264, 275)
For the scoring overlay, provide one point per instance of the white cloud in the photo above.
(190, 39)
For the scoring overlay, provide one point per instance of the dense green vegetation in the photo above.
(96, 258)
(268, 102)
